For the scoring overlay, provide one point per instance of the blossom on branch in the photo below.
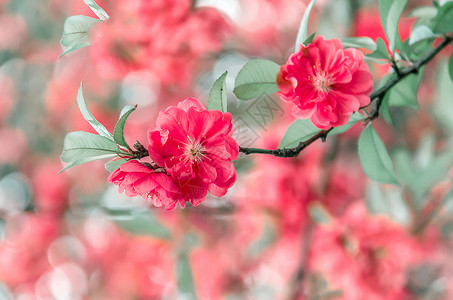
(191, 151)
(195, 147)
(325, 82)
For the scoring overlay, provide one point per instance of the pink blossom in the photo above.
(325, 82)
(153, 36)
(372, 254)
(195, 147)
(143, 179)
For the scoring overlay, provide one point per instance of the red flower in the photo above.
(141, 179)
(325, 82)
(195, 147)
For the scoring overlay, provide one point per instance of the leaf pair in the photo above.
(81, 147)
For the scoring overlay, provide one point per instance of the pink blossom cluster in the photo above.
(167, 38)
(191, 151)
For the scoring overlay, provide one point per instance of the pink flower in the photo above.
(195, 147)
(372, 254)
(143, 179)
(325, 82)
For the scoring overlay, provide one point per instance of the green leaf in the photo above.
(80, 147)
(353, 119)
(359, 42)
(217, 99)
(391, 11)
(186, 285)
(115, 164)
(302, 34)
(297, 132)
(421, 33)
(118, 134)
(381, 50)
(81, 161)
(310, 39)
(257, 77)
(75, 32)
(97, 10)
(89, 117)
(404, 94)
(443, 22)
(450, 67)
(74, 47)
(374, 157)
(141, 224)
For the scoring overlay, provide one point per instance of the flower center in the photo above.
(195, 151)
(322, 81)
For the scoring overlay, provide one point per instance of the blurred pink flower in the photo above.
(372, 254)
(153, 35)
(325, 82)
(195, 147)
(144, 179)
(51, 197)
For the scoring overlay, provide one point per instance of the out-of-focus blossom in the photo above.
(325, 82)
(365, 256)
(12, 30)
(50, 191)
(23, 252)
(17, 145)
(143, 268)
(195, 147)
(146, 180)
(154, 35)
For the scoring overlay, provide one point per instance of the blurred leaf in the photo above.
(186, 284)
(450, 67)
(257, 77)
(97, 10)
(443, 22)
(142, 223)
(217, 99)
(89, 117)
(359, 42)
(353, 119)
(75, 32)
(388, 201)
(427, 12)
(443, 106)
(404, 94)
(374, 157)
(80, 147)
(421, 172)
(267, 238)
(385, 109)
(302, 34)
(391, 11)
(319, 213)
(297, 132)
(114, 164)
(381, 50)
(421, 33)
(118, 134)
